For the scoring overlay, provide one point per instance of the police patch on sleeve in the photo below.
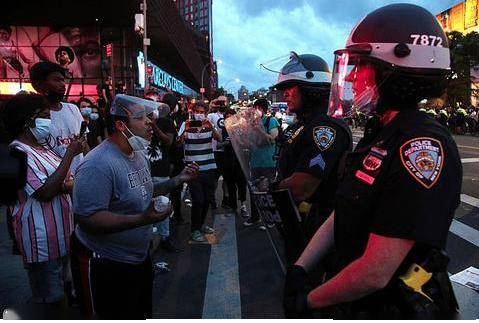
(423, 158)
(324, 137)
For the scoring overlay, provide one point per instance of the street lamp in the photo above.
(202, 80)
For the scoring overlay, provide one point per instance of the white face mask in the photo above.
(137, 143)
(41, 132)
(199, 116)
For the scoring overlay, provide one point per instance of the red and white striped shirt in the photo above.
(42, 229)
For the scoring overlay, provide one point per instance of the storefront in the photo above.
(95, 43)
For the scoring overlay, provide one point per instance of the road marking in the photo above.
(468, 147)
(470, 200)
(222, 295)
(465, 232)
(469, 160)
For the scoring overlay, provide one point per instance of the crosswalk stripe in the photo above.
(465, 232)
(469, 160)
(470, 200)
(222, 294)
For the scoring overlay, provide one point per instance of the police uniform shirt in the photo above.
(315, 148)
(405, 183)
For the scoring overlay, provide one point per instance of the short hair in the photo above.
(8, 29)
(87, 100)
(41, 70)
(110, 122)
(170, 99)
(262, 103)
(66, 49)
(19, 110)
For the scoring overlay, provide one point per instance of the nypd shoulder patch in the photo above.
(324, 137)
(423, 158)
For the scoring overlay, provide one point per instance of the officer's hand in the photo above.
(152, 216)
(296, 289)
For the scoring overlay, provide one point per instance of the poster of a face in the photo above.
(76, 49)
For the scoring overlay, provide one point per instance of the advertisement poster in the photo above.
(76, 49)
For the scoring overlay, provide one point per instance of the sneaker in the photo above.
(250, 222)
(262, 227)
(244, 213)
(197, 236)
(207, 230)
(162, 267)
(270, 225)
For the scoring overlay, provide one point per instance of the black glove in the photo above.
(296, 289)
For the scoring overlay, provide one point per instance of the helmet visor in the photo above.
(354, 87)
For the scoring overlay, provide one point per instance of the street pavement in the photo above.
(238, 275)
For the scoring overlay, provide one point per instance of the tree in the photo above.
(464, 56)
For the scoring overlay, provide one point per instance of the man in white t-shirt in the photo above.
(217, 119)
(48, 79)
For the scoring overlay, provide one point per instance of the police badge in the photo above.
(423, 158)
(324, 137)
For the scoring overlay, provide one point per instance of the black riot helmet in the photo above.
(312, 74)
(395, 57)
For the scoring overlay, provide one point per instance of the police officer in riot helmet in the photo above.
(309, 157)
(401, 185)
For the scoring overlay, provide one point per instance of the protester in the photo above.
(262, 161)
(48, 79)
(217, 119)
(114, 210)
(197, 135)
(177, 116)
(233, 174)
(158, 153)
(95, 123)
(42, 217)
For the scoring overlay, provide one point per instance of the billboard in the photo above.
(77, 49)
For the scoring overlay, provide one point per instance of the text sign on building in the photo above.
(158, 77)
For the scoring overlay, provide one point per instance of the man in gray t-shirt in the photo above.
(112, 197)
(110, 180)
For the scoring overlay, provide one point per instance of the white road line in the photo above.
(470, 200)
(222, 294)
(465, 232)
(469, 160)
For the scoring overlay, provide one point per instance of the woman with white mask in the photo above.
(42, 216)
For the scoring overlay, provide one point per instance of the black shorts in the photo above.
(109, 289)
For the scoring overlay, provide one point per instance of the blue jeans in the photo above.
(47, 279)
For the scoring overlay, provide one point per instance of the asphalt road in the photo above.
(239, 276)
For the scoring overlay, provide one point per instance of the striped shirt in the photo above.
(42, 229)
(198, 147)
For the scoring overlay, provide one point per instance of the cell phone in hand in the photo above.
(83, 128)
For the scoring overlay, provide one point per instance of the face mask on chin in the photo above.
(137, 143)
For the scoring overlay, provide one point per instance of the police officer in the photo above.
(397, 196)
(310, 156)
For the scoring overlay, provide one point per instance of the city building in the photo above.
(199, 14)
(104, 43)
(462, 17)
(243, 93)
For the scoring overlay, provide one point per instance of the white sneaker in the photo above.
(244, 211)
(207, 230)
(197, 236)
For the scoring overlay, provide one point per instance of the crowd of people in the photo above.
(103, 178)
(89, 210)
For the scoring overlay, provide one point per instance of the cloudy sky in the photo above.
(247, 33)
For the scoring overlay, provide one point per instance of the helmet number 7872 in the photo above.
(426, 40)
